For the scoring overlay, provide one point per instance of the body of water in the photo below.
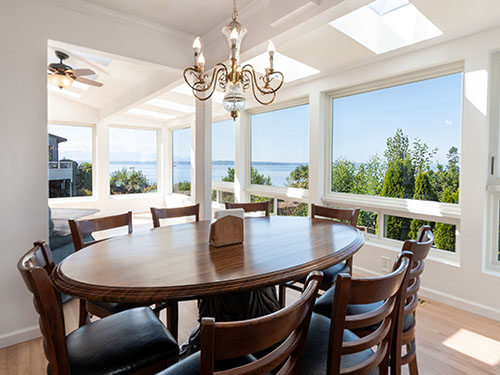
(182, 170)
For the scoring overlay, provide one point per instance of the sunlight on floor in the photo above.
(475, 346)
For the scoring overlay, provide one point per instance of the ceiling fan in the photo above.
(62, 75)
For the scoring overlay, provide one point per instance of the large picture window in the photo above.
(69, 161)
(399, 142)
(133, 161)
(181, 168)
(223, 151)
(280, 147)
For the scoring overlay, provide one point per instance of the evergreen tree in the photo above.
(423, 191)
(444, 234)
(398, 183)
(343, 175)
(299, 177)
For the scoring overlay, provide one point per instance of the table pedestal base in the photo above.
(232, 307)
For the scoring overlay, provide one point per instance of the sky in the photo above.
(430, 110)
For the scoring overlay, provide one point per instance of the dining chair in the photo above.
(345, 215)
(227, 347)
(132, 341)
(81, 228)
(407, 331)
(332, 345)
(167, 213)
(252, 207)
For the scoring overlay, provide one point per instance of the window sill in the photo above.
(91, 198)
(285, 193)
(424, 210)
(135, 196)
(223, 186)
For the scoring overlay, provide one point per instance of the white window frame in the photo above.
(222, 186)
(274, 192)
(491, 262)
(171, 161)
(159, 163)
(92, 197)
(425, 210)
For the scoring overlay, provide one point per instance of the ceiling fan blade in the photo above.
(89, 82)
(83, 72)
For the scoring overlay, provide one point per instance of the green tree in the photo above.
(397, 147)
(444, 234)
(421, 156)
(256, 178)
(84, 181)
(398, 183)
(423, 191)
(343, 175)
(129, 181)
(299, 177)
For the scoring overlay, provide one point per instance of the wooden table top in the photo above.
(177, 262)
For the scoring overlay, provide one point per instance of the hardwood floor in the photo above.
(449, 341)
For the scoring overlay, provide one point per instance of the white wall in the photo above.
(25, 27)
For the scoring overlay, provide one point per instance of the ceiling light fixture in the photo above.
(237, 79)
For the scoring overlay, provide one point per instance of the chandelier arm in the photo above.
(217, 70)
(254, 85)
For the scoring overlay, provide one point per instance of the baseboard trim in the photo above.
(449, 299)
(21, 335)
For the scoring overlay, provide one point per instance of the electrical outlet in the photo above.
(386, 264)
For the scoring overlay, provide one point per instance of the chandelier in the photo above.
(236, 79)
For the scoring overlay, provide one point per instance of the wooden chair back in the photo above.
(420, 249)
(349, 215)
(80, 228)
(35, 267)
(167, 213)
(252, 207)
(286, 328)
(354, 291)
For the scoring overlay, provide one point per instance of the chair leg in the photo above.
(173, 319)
(282, 296)
(413, 366)
(83, 315)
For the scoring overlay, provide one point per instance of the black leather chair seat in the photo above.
(316, 352)
(323, 306)
(119, 344)
(330, 274)
(114, 308)
(191, 365)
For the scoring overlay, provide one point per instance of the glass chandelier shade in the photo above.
(60, 80)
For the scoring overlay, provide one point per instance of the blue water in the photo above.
(182, 170)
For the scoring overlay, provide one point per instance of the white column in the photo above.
(101, 163)
(318, 150)
(201, 157)
(241, 157)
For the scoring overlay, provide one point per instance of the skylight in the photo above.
(170, 105)
(152, 114)
(386, 25)
(65, 92)
(184, 89)
(291, 68)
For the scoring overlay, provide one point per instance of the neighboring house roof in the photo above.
(57, 138)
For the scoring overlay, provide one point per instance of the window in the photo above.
(181, 168)
(133, 161)
(69, 161)
(280, 147)
(223, 151)
(404, 143)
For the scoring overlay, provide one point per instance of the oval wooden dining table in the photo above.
(177, 262)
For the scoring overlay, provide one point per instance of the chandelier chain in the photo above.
(235, 12)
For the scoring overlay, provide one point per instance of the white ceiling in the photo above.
(195, 17)
(317, 44)
(328, 49)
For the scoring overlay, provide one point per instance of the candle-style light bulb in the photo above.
(201, 60)
(234, 36)
(270, 48)
(197, 45)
